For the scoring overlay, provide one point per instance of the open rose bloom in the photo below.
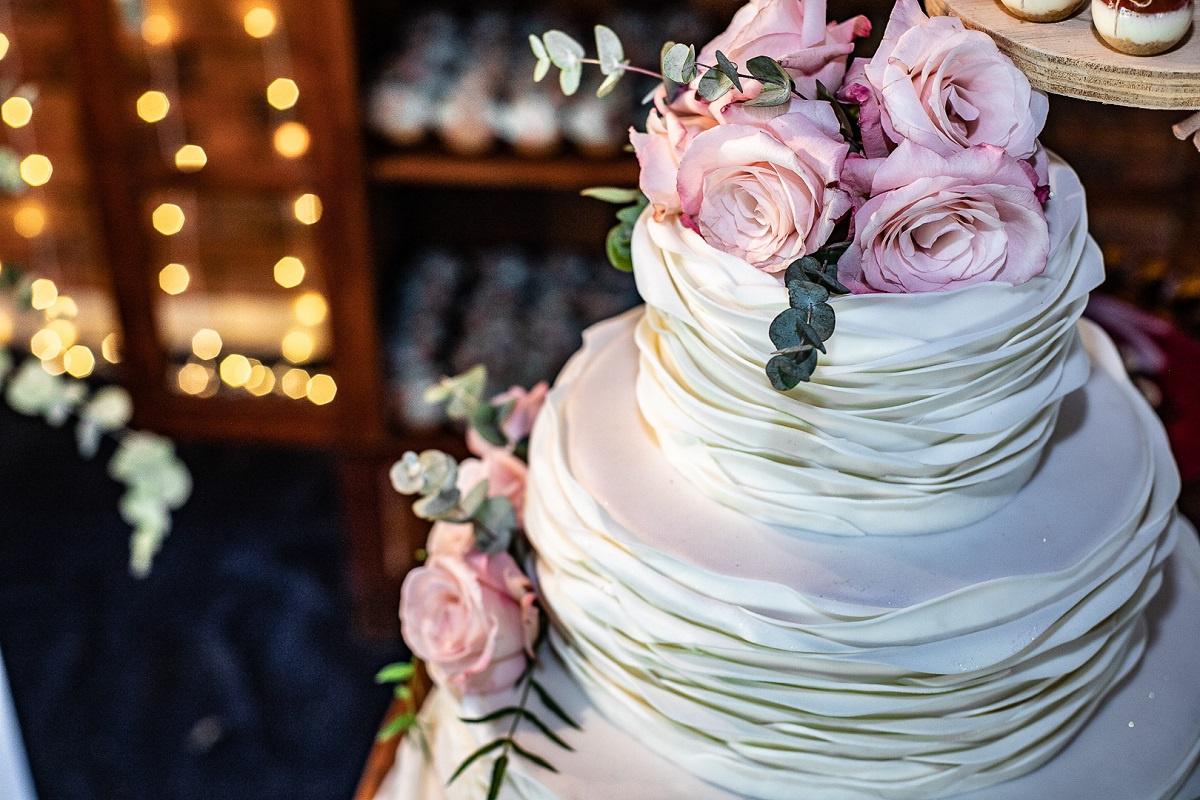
(947, 178)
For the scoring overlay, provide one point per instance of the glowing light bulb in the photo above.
(29, 221)
(295, 383)
(68, 334)
(42, 294)
(45, 344)
(207, 344)
(282, 93)
(297, 346)
(168, 219)
(235, 370)
(310, 308)
(289, 272)
(110, 348)
(153, 106)
(79, 361)
(321, 389)
(193, 378)
(308, 209)
(292, 139)
(16, 112)
(174, 279)
(190, 158)
(158, 29)
(259, 22)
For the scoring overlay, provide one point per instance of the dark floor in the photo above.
(231, 672)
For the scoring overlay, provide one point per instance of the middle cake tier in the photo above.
(760, 658)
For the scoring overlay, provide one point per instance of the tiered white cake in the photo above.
(999, 600)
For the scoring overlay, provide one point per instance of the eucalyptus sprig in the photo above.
(799, 333)
(618, 244)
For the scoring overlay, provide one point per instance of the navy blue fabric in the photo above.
(232, 671)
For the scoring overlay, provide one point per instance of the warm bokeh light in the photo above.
(158, 29)
(292, 139)
(79, 361)
(45, 344)
(16, 112)
(207, 344)
(110, 348)
(190, 158)
(168, 219)
(6, 329)
(36, 169)
(193, 378)
(295, 383)
(54, 366)
(282, 93)
(3, 46)
(262, 380)
(310, 308)
(153, 106)
(174, 279)
(321, 389)
(259, 22)
(289, 272)
(235, 370)
(67, 333)
(42, 294)
(297, 346)
(63, 306)
(308, 208)
(29, 221)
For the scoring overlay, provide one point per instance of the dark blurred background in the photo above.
(275, 223)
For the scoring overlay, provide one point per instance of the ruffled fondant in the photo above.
(928, 412)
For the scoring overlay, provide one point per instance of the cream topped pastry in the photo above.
(1043, 10)
(1142, 27)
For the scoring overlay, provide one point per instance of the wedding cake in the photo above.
(882, 518)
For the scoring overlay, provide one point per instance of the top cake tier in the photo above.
(928, 412)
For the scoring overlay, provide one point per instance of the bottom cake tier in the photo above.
(1142, 744)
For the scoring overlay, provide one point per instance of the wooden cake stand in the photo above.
(1068, 58)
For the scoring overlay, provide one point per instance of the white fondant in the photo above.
(928, 412)
(1140, 29)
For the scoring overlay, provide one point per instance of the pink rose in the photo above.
(505, 474)
(935, 222)
(766, 194)
(472, 621)
(451, 539)
(794, 33)
(943, 87)
(670, 128)
(526, 405)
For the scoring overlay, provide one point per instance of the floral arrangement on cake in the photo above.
(470, 613)
(915, 170)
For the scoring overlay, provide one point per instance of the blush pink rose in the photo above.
(796, 34)
(670, 128)
(506, 476)
(451, 539)
(471, 620)
(526, 406)
(935, 222)
(946, 88)
(766, 194)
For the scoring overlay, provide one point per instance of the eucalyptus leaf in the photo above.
(497, 780)
(810, 335)
(551, 705)
(563, 50)
(495, 521)
(541, 69)
(543, 58)
(395, 673)
(785, 332)
(618, 248)
(729, 69)
(608, 84)
(486, 422)
(823, 320)
(474, 498)
(773, 94)
(679, 63)
(714, 85)
(437, 506)
(804, 294)
(608, 46)
(475, 756)
(612, 194)
(630, 214)
(786, 372)
(807, 268)
(768, 70)
(569, 78)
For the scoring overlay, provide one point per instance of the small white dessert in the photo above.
(1142, 27)
(1043, 10)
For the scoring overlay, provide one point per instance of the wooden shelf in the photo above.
(504, 172)
(1068, 58)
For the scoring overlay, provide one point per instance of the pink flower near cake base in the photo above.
(934, 223)
(944, 87)
(766, 194)
(471, 620)
(526, 405)
(505, 474)
(796, 34)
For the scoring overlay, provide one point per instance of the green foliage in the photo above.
(679, 63)
(612, 194)
(800, 331)
(777, 83)
(729, 70)
(845, 117)
(618, 244)
(400, 673)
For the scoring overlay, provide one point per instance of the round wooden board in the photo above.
(1068, 58)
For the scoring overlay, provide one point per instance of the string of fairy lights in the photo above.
(56, 343)
(210, 362)
(174, 215)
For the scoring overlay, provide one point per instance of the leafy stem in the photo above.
(625, 68)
